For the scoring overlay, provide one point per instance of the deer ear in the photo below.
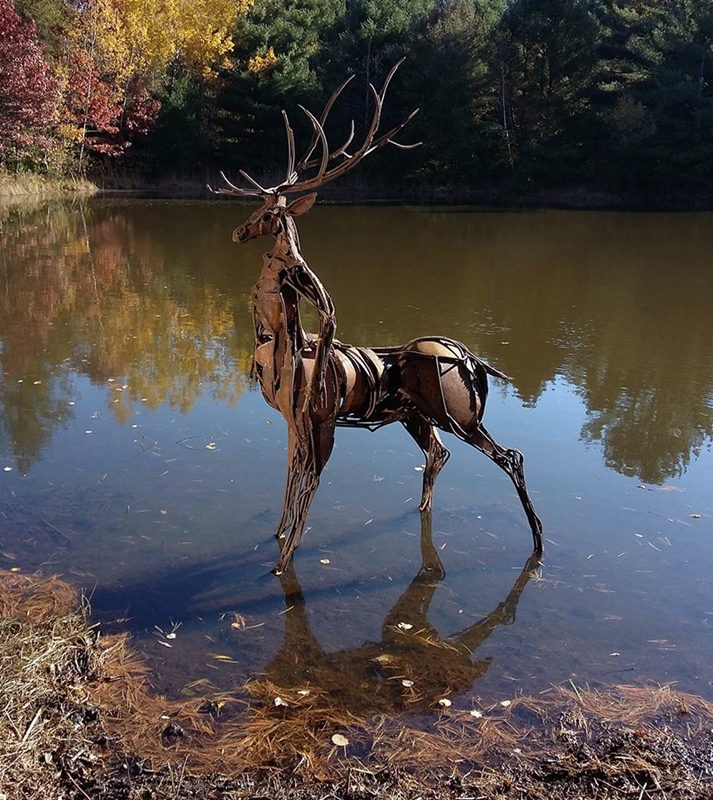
(302, 205)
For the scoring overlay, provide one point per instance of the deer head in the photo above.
(272, 218)
(275, 215)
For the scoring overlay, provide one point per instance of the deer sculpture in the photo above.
(317, 382)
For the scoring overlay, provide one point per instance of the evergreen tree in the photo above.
(549, 52)
(276, 46)
(659, 107)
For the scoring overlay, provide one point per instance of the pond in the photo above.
(139, 460)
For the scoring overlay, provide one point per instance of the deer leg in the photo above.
(427, 438)
(295, 471)
(308, 452)
(511, 462)
(302, 483)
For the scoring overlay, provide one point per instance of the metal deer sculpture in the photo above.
(317, 382)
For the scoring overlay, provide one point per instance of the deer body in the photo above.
(317, 382)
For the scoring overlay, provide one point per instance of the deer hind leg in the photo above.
(449, 386)
(511, 462)
(427, 438)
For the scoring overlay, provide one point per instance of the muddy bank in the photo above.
(79, 720)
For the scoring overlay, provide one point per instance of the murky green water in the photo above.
(137, 459)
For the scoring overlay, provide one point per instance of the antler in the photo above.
(292, 182)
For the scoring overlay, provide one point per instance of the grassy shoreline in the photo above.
(78, 719)
(27, 185)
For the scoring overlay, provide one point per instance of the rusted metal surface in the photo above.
(317, 382)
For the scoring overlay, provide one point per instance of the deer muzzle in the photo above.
(240, 235)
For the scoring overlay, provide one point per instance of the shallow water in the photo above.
(137, 458)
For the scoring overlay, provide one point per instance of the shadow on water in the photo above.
(412, 667)
(408, 670)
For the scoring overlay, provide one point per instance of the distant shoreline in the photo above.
(28, 186)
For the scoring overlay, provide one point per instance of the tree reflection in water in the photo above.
(151, 296)
(86, 290)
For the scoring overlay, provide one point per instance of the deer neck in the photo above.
(286, 252)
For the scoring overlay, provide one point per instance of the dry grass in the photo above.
(78, 719)
(26, 185)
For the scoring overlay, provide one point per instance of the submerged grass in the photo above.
(78, 719)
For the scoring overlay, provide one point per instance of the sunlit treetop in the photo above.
(146, 36)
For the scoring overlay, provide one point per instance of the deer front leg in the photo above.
(308, 452)
(309, 287)
(427, 438)
(302, 484)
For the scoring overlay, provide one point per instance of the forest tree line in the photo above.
(607, 95)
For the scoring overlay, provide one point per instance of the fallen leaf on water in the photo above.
(239, 622)
(695, 516)
(324, 561)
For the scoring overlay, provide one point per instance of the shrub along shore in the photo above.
(80, 720)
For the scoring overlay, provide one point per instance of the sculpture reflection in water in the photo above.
(411, 668)
(317, 382)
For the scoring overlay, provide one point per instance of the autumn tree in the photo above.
(28, 92)
(123, 55)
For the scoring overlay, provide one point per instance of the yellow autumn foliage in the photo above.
(261, 64)
(137, 37)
